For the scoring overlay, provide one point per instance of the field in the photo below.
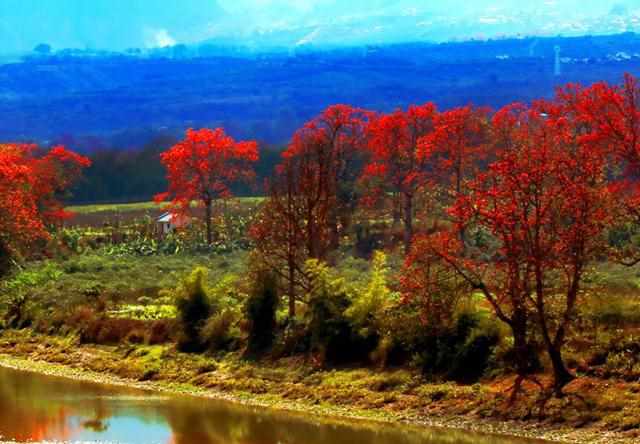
(111, 214)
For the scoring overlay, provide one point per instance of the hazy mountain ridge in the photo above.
(105, 99)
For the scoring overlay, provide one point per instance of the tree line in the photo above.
(513, 205)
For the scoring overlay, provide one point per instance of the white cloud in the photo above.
(158, 38)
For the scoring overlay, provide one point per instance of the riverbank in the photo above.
(609, 415)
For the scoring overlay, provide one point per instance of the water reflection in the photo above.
(33, 407)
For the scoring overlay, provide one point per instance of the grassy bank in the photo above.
(602, 416)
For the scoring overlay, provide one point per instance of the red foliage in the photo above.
(30, 187)
(311, 196)
(455, 147)
(202, 168)
(398, 166)
(610, 122)
(431, 283)
(544, 204)
(324, 155)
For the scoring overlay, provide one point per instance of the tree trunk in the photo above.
(5, 259)
(521, 349)
(561, 376)
(396, 211)
(292, 299)
(208, 212)
(334, 227)
(408, 222)
(462, 232)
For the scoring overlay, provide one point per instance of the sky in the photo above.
(121, 24)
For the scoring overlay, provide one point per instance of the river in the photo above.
(34, 407)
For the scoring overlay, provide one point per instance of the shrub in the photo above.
(461, 352)
(370, 304)
(332, 337)
(17, 312)
(295, 339)
(221, 331)
(371, 310)
(623, 357)
(260, 312)
(194, 308)
(218, 332)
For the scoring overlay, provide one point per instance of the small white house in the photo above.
(168, 222)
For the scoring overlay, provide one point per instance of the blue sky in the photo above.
(119, 24)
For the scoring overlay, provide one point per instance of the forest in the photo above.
(456, 260)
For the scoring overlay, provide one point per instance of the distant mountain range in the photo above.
(392, 25)
(92, 99)
(266, 24)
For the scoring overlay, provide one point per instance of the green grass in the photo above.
(139, 206)
(114, 208)
(123, 279)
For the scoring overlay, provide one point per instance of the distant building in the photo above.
(169, 222)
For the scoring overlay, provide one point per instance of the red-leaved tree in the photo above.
(455, 150)
(202, 168)
(609, 117)
(540, 212)
(327, 153)
(30, 190)
(312, 196)
(280, 230)
(397, 166)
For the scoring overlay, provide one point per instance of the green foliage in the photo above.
(370, 305)
(194, 308)
(260, 311)
(373, 310)
(221, 331)
(332, 337)
(16, 298)
(463, 351)
(26, 279)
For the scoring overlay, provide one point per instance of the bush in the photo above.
(333, 340)
(218, 332)
(194, 308)
(17, 313)
(372, 310)
(462, 352)
(260, 312)
(369, 305)
(221, 331)
(622, 357)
